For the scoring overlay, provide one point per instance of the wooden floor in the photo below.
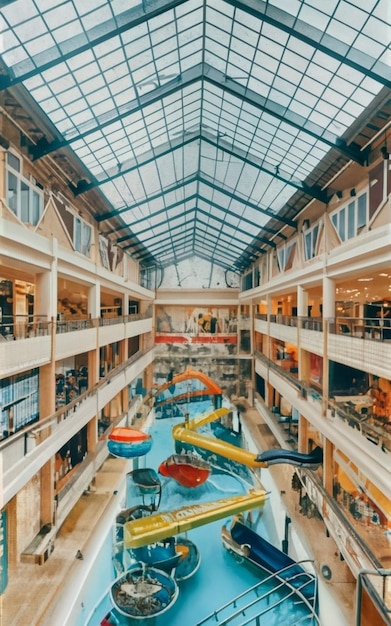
(33, 590)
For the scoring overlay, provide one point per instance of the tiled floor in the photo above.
(32, 590)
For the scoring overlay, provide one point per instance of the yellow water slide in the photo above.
(159, 526)
(186, 433)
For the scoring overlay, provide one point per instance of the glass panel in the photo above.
(308, 246)
(36, 208)
(12, 192)
(13, 161)
(25, 202)
(200, 104)
(351, 220)
(361, 211)
(77, 234)
(342, 225)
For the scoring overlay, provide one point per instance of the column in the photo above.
(328, 316)
(94, 301)
(328, 298)
(302, 312)
(302, 302)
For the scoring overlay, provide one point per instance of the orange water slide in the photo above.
(211, 388)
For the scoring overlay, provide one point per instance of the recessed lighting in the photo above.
(364, 280)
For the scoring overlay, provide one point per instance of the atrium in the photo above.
(203, 184)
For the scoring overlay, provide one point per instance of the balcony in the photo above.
(346, 421)
(24, 453)
(357, 342)
(26, 342)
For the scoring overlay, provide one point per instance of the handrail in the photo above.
(349, 529)
(374, 434)
(363, 580)
(283, 583)
(375, 329)
(17, 327)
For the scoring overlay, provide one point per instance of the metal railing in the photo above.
(281, 584)
(16, 327)
(375, 433)
(68, 411)
(376, 329)
(23, 326)
(377, 584)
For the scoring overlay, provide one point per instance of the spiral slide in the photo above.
(210, 389)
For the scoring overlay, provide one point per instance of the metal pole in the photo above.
(285, 542)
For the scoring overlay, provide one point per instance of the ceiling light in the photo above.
(364, 280)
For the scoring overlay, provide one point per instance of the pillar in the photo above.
(328, 315)
(302, 302)
(328, 298)
(328, 466)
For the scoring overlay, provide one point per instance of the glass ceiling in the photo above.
(198, 120)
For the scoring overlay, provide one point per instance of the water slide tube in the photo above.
(211, 388)
(143, 531)
(185, 432)
(160, 526)
(300, 459)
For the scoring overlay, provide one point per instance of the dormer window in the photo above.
(24, 198)
(349, 219)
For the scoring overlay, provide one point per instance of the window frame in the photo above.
(312, 235)
(350, 217)
(81, 243)
(28, 202)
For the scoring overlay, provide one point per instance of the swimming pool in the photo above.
(219, 578)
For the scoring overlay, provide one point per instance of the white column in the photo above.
(328, 298)
(302, 302)
(45, 303)
(94, 301)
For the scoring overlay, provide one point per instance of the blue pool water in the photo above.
(218, 579)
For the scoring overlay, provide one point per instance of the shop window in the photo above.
(24, 196)
(70, 455)
(18, 401)
(349, 219)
